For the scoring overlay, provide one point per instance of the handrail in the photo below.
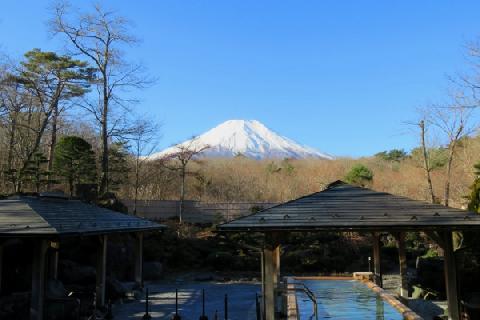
(309, 293)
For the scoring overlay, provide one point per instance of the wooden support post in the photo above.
(262, 267)
(402, 258)
(450, 277)
(377, 267)
(271, 262)
(101, 271)
(139, 259)
(38, 279)
(1, 265)
(276, 271)
(53, 260)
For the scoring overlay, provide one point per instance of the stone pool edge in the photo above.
(292, 306)
(407, 313)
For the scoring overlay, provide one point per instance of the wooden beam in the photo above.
(402, 259)
(38, 279)
(139, 259)
(451, 277)
(101, 271)
(377, 265)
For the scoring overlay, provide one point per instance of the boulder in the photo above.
(115, 289)
(71, 272)
(430, 274)
(203, 277)
(55, 289)
(152, 270)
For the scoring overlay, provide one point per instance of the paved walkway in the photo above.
(241, 297)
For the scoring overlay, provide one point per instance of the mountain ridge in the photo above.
(250, 138)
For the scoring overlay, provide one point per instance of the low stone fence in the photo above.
(195, 211)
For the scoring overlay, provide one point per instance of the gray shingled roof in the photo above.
(42, 216)
(344, 207)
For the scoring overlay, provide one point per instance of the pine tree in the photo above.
(359, 175)
(74, 161)
(118, 165)
(36, 172)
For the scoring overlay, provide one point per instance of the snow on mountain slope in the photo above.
(247, 137)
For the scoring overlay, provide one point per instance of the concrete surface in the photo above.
(241, 297)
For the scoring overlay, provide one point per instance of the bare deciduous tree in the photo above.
(421, 128)
(179, 160)
(99, 36)
(426, 162)
(143, 139)
(453, 121)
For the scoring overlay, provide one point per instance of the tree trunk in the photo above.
(426, 163)
(38, 139)
(53, 142)
(182, 195)
(11, 142)
(449, 173)
(104, 162)
(137, 169)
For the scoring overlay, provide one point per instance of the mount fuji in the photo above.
(249, 138)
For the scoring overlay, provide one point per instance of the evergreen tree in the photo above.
(359, 175)
(74, 161)
(36, 172)
(53, 81)
(392, 155)
(474, 197)
(118, 165)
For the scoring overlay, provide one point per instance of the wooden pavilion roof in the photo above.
(44, 216)
(344, 207)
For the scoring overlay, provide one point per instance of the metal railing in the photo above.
(299, 286)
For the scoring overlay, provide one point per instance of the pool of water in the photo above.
(345, 299)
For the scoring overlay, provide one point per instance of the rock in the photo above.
(15, 306)
(116, 289)
(204, 277)
(430, 274)
(71, 272)
(152, 270)
(137, 294)
(55, 289)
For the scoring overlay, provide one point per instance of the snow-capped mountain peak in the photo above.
(246, 137)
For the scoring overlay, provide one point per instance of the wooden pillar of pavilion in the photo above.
(402, 259)
(101, 271)
(53, 260)
(1, 266)
(38, 279)
(377, 265)
(450, 276)
(271, 265)
(139, 259)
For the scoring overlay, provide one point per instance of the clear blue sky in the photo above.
(341, 76)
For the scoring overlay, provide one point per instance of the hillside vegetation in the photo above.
(241, 179)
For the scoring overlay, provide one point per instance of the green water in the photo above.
(345, 299)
